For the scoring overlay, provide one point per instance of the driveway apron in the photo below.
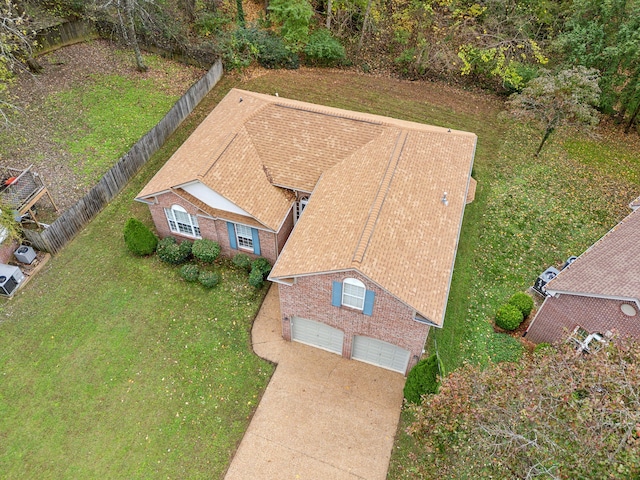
(321, 416)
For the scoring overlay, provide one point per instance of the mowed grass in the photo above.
(107, 116)
(111, 366)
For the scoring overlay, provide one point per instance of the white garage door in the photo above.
(382, 354)
(317, 334)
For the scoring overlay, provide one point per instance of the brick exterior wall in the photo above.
(285, 230)
(6, 251)
(559, 316)
(215, 230)
(392, 321)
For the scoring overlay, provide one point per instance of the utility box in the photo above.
(25, 254)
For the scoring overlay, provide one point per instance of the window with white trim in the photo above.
(353, 292)
(244, 237)
(181, 222)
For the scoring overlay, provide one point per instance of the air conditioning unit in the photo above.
(25, 254)
(569, 261)
(10, 279)
(544, 278)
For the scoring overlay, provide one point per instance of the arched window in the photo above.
(181, 222)
(353, 292)
(300, 206)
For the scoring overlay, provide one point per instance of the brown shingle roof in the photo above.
(609, 268)
(380, 212)
(377, 185)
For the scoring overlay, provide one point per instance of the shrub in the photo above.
(272, 53)
(422, 379)
(138, 238)
(262, 265)
(509, 317)
(523, 301)
(190, 272)
(170, 251)
(243, 261)
(205, 250)
(246, 45)
(256, 278)
(323, 49)
(208, 279)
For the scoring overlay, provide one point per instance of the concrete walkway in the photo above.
(321, 417)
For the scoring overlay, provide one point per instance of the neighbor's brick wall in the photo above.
(6, 251)
(559, 316)
(392, 321)
(215, 230)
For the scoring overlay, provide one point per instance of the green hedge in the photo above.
(190, 272)
(139, 239)
(509, 317)
(208, 279)
(170, 251)
(523, 301)
(205, 250)
(422, 379)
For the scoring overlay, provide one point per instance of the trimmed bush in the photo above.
(170, 251)
(139, 239)
(205, 250)
(523, 301)
(190, 272)
(422, 379)
(256, 278)
(509, 317)
(208, 279)
(243, 261)
(261, 264)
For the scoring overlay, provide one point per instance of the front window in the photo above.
(353, 292)
(181, 222)
(244, 237)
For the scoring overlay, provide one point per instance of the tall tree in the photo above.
(15, 43)
(606, 35)
(567, 97)
(557, 414)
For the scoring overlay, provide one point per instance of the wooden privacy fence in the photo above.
(74, 219)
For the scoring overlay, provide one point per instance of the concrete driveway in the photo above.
(321, 417)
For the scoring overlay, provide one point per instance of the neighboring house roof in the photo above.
(381, 212)
(635, 204)
(610, 268)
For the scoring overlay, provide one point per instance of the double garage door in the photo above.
(365, 349)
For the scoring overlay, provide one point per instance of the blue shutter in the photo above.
(336, 294)
(232, 235)
(256, 241)
(369, 296)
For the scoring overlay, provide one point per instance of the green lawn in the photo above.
(112, 366)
